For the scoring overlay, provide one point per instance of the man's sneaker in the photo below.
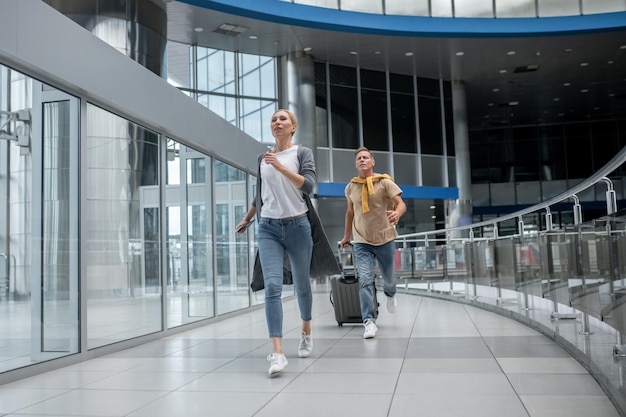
(392, 303)
(370, 329)
(306, 345)
(278, 361)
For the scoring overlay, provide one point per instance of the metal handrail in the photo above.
(600, 175)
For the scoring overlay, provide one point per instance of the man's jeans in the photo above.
(365, 259)
(275, 236)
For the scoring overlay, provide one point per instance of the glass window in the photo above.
(551, 151)
(578, 151)
(180, 65)
(558, 8)
(441, 8)
(526, 154)
(515, 8)
(344, 76)
(473, 8)
(254, 115)
(344, 117)
(375, 125)
(232, 257)
(370, 6)
(407, 7)
(216, 71)
(606, 134)
(122, 258)
(604, 6)
(431, 141)
(332, 4)
(321, 105)
(403, 124)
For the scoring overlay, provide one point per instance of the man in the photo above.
(374, 208)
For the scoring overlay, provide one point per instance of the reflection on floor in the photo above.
(433, 358)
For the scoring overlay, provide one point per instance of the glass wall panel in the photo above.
(344, 165)
(502, 194)
(515, 8)
(433, 170)
(407, 7)
(448, 118)
(604, 6)
(231, 204)
(579, 151)
(551, 150)
(441, 8)
(526, 154)
(431, 141)
(549, 8)
(190, 255)
(121, 259)
(473, 8)
(38, 223)
(370, 6)
(344, 117)
(375, 126)
(405, 168)
(604, 133)
(321, 105)
(224, 106)
(180, 68)
(403, 124)
(332, 4)
(253, 115)
(216, 71)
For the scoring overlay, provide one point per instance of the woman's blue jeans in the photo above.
(365, 257)
(275, 236)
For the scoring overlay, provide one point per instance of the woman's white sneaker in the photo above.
(278, 362)
(306, 345)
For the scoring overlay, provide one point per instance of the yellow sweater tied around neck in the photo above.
(368, 185)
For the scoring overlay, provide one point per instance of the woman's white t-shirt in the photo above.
(281, 199)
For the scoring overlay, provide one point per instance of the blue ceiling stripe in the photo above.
(392, 25)
(336, 189)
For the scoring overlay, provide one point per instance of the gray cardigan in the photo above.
(323, 260)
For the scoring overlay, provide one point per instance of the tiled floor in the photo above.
(433, 358)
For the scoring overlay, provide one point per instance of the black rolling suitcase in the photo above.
(344, 291)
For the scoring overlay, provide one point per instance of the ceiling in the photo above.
(509, 81)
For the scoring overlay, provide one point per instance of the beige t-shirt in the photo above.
(373, 227)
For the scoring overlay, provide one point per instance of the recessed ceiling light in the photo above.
(513, 103)
(584, 64)
(610, 62)
(432, 207)
(538, 53)
(353, 53)
(253, 37)
(308, 49)
(502, 71)
(377, 53)
(198, 29)
(568, 50)
(433, 217)
(584, 90)
(495, 90)
(490, 104)
(511, 53)
(566, 84)
(611, 94)
(408, 54)
(622, 47)
(460, 53)
(561, 114)
(556, 99)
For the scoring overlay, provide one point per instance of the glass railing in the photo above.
(567, 282)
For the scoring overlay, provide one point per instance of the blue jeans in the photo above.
(275, 236)
(365, 258)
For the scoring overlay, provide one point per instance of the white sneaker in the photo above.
(278, 362)
(370, 329)
(392, 303)
(306, 345)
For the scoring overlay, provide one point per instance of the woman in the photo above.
(286, 174)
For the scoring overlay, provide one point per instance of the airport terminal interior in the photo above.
(129, 136)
